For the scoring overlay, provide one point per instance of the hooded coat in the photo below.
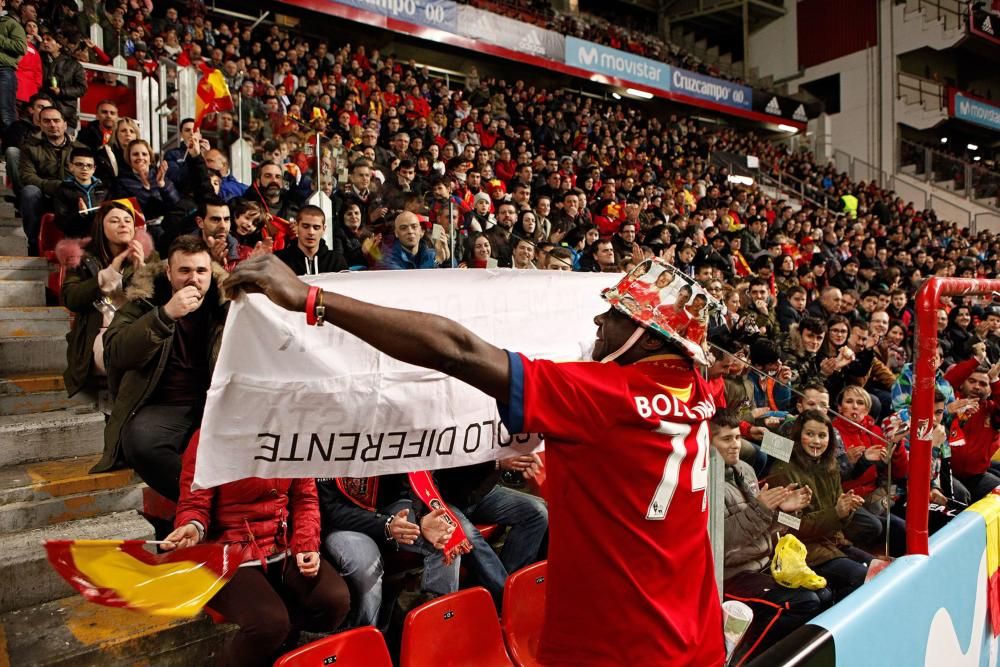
(137, 346)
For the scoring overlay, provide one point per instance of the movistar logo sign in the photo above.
(587, 56)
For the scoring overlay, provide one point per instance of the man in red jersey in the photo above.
(630, 576)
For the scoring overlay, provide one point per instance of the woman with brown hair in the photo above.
(94, 288)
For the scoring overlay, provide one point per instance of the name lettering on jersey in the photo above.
(668, 405)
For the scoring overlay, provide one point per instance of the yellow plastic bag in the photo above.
(789, 569)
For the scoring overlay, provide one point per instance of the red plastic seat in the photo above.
(456, 630)
(48, 236)
(523, 610)
(361, 647)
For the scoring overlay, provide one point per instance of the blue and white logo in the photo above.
(619, 64)
(977, 112)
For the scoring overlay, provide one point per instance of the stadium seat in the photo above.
(523, 608)
(360, 647)
(456, 630)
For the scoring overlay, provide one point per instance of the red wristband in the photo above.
(311, 305)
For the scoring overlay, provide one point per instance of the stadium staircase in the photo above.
(47, 444)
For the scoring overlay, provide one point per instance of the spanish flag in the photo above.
(121, 573)
(213, 95)
(989, 508)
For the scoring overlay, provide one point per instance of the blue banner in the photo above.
(440, 14)
(711, 89)
(977, 112)
(619, 64)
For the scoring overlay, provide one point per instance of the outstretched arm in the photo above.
(416, 338)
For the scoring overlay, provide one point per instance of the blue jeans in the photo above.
(32, 207)
(528, 519)
(359, 561)
(844, 575)
(8, 96)
(12, 156)
(437, 578)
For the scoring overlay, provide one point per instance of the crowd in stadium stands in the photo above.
(614, 29)
(815, 340)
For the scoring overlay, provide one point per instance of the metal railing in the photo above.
(970, 180)
(147, 91)
(952, 13)
(913, 89)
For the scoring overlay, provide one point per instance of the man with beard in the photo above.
(499, 235)
(977, 428)
(270, 187)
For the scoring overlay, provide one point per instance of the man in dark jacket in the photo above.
(362, 516)
(309, 254)
(13, 45)
(99, 132)
(476, 497)
(64, 78)
(43, 168)
(159, 351)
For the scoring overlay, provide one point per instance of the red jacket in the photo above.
(265, 516)
(853, 436)
(981, 439)
(29, 73)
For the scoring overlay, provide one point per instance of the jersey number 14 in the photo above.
(665, 490)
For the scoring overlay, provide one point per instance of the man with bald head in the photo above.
(828, 303)
(409, 250)
(230, 187)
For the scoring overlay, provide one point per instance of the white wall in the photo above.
(774, 49)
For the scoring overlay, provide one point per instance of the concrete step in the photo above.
(13, 242)
(14, 293)
(36, 495)
(29, 579)
(37, 392)
(77, 633)
(21, 321)
(24, 268)
(32, 354)
(50, 435)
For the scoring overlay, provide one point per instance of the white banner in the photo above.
(291, 400)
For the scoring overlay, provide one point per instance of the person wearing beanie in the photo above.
(480, 218)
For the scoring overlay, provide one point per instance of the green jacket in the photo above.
(79, 292)
(44, 164)
(137, 345)
(13, 42)
(821, 530)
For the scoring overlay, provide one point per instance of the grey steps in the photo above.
(36, 495)
(14, 244)
(52, 435)
(24, 268)
(32, 354)
(18, 293)
(26, 321)
(30, 580)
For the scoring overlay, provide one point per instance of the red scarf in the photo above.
(423, 485)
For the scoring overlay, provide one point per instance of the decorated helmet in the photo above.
(657, 296)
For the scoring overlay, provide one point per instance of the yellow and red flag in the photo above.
(989, 508)
(213, 95)
(121, 573)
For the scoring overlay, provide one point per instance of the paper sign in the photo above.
(774, 445)
(792, 522)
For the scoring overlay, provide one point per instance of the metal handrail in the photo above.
(933, 89)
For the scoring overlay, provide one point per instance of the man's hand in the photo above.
(528, 464)
(185, 300)
(994, 372)
(308, 563)
(798, 499)
(263, 248)
(847, 503)
(272, 277)
(938, 498)
(875, 454)
(182, 538)
(854, 454)
(402, 530)
(436, 529)
(784, 374)
(773, 498)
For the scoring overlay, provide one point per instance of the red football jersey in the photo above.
(630, 580)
